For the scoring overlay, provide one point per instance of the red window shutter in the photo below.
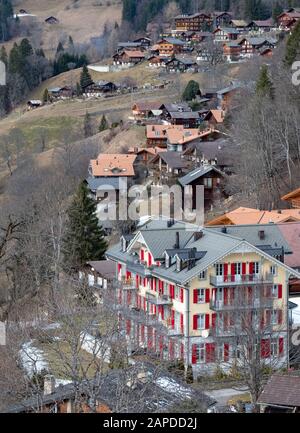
(172, 319)
(196, 291)
(279, 315)
(182, 295)
(162, 313)
(149, 259)
(279, 291)
(265, 348)
(243, 268)
(225, 271)
(210, 352)
(181, 322)
(281, 345)
(194, 354)
(232, 272)
(206, 321)
(251, 268)
(213, 320)
(142, 255)
(128, 327)
(137, 281)
(155, 310)
(128, 275)
(143, 333)
(119, 267)
(268, 317)
(226, 352)
(128, 298)
(195, 322)
(161, 343)
(207, 295)
(154, 284)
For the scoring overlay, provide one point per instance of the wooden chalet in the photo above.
(181, 64)
(261, 26)
(196, 22)
(51, 20)
(207, 176)
(146, 110)
(226, 34)
(232, 51)
(225, 97)
(169, 47)
(171, 163)
(240, 25)
(253, 45)
(34, 103)
(99, 87)
(288, 19)
(221, 19)
(128, 58)
(61, 92)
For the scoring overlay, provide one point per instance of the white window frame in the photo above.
(219, 269)
(200, 355)
(274, 344)
(274, 270)
(274, 291)
(201, 322)
(256, 269)
(202, 276)
(201, 296)
(274, 317)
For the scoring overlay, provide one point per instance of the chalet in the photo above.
(128, 58)
(144, 41)
(293, 198)
(196, 22)
(288, 20)
(51, 20)
(219, 153)
(175, 107)
(210, 93)
(261, 26)
(143, 391)
(188, 119)
(209, 177)
(232, 51)
(98, 88)
(34, 103)
(226, 34)
(221, 19)
(144, 154)
(266, 52)
(225, 97)
(240, 25)
(179, 139)
(157, 61)
(98, 275)
(108, 171)
(61, 92)
(215, 117)
(146, 110)
(244, 215)
(181, 64)
(169, 47)
(129, 46)
(168, 163)
(194, 37)
(281, 394)
(252, 45)
(291, 233)
(157, 134)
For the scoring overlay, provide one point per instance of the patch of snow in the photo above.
(296, 311)
(95, 347)
(33, 359)
(171, 386)
(62, 382)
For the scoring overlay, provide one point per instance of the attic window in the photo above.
(178, 264)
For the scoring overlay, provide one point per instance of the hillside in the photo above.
(81, 19)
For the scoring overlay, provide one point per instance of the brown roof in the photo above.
(218, 115)
(160, 131)
(146, 106)
(113, 165)
(134, 53)
(282, 391)
(151, 150)
(244, 215)
(186, 135)
(291, 195)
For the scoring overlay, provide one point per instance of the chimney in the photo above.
(176, 246)
(49, 384)
(224, 229)
(198, 235)
(261, 234)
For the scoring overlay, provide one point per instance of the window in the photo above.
(274, 317)
(274, 347)
(208, 182)
(200, 353)
(201, 322)
(237, 268)
(219, 269)
(273, 270)
(221, 353)
(201, 296)
(202, 275)
(256, 268)
(274, 291)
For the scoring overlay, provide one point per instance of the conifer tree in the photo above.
(103, 124)
(85, 77)
(46, 96)
(293, 46)
(191, 91)
(84, 238)
(264, 85)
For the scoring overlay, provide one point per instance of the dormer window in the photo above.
(178, 264)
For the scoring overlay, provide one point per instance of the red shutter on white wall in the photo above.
(279, 291)
(196, 291)
(207, 296)
(195, 322)
(206, 321)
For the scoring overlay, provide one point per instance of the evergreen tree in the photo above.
(85, 78)
(46, 96)
(6, 14)
(84, 238)
(293, 46)
(277, 10)
(25, 48)
(103, 124)
(59, 49)
(87, 125)
(264, 85)
(191, 91)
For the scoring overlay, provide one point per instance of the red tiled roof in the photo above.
(113, 165)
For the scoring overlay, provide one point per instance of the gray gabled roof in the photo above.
(102, 183)
(197, 173)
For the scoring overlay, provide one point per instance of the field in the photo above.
(81, 19)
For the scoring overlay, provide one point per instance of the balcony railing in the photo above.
(128, 284)
(160, 300)
(237, 280)
(241, 303)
